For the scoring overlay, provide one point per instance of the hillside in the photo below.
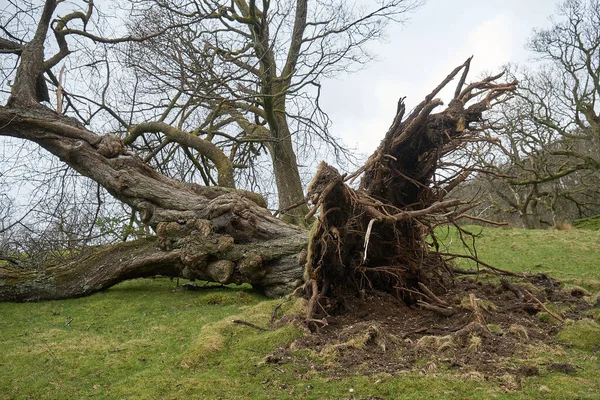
(152, 339)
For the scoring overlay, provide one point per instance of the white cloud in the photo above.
(419, 56)
(492, 43)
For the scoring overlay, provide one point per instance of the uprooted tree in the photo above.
(376, 237)
(373, 237)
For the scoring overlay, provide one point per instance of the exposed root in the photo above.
(432, 296)
(496, 270)
(445, 311)
(374, 238)
(312, 306)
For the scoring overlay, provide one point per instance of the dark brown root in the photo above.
(376, 238)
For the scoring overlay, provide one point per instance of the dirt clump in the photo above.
(562, 367)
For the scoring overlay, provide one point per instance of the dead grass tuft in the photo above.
(212, 338)
(436, 343)
(563, 226)
(474, 343)
(518, 330)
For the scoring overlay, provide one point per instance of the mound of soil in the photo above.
(380, 334)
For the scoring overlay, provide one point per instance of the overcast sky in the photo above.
(417, 56)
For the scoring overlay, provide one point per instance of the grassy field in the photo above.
(570, 256)
(148, 339)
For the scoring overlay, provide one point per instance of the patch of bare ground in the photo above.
(484, 331)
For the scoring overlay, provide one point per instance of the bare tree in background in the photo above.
(546, 158)
(246, 75)
(559, 102)
(516, 183)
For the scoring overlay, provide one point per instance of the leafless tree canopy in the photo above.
(545, 157)
(170, 81)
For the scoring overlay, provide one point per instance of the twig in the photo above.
(372, 160)
(505, 284)
(461, 271)
(487, 221)
(446, 312)
(242, 322)
(274, 315)
(321, 321)
(552, 314)
(297, 204)
(417, 213)
(402, 215)
(497, 270)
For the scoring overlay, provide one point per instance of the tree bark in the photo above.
(274, 267)
(287, 177)
(221, 234)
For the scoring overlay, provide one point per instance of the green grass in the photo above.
(592, 223)
(583, 334)
(570, 256)
(147, 339)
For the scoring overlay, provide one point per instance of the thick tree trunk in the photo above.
(274, 267)
(285, 166)
(287, 177)
(220, 234)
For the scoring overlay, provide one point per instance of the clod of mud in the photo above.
(565, 368)
(579, 292)
(528, 370)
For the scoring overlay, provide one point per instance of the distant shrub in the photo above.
(563, 226)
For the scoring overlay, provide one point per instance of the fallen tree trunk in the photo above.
(214, 233)
(221, 234)
(273, 267)
(217, 233)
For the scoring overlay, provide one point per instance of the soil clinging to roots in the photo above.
(380, 237)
